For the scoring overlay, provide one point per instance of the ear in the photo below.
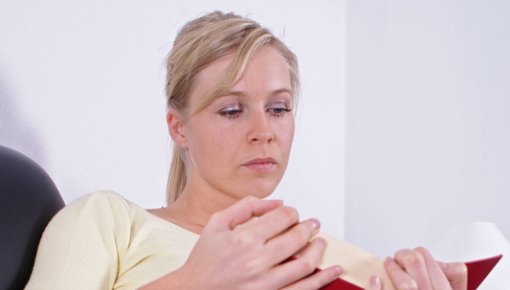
(176, 128)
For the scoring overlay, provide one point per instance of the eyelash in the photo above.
(280, 112)
(233, 113)
(230, 113)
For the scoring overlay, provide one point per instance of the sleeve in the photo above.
(81, 246)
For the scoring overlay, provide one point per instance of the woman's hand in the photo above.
(417, 269)
(255, 244)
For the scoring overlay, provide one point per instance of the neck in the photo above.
(194, 207)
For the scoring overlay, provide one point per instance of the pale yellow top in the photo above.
(102, 241)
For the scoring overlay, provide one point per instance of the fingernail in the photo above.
(315, 224)
(375, 282)
(336, 271)
(320, 241)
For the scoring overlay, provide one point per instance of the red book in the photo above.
(359, 266)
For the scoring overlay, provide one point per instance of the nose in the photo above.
(260, 131)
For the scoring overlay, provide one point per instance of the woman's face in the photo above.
(239, 145)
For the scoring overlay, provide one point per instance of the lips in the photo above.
(261, 164)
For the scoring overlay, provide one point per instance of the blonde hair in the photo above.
(201, 42)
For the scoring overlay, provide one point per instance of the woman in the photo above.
(231, 90)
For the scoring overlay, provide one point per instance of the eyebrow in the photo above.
(242, 93)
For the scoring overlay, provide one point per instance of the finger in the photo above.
(299, 268)
(317, 280)
(399, 278)
(272, 223)
(457, 274)
(290, 242)
(437, 277)
(242, 211)
(414, 264)
(374, 283)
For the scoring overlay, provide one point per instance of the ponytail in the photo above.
(176, 176)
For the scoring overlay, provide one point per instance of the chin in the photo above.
(257, 187)
(260, 189)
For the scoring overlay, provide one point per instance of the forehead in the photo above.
(266, 70)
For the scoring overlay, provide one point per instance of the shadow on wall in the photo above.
(15, 130)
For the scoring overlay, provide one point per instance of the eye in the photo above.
(278, 109)
(231, 112)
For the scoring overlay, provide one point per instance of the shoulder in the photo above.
(104, 208)
(84, 242)
(100, 199)
(99, 220)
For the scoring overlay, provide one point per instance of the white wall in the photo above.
(428, 120)
(81, 92)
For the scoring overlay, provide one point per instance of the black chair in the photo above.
(28, 200)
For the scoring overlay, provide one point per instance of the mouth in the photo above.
(261, 165)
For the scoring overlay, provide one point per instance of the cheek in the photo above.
(287, 134)
(210, 139)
